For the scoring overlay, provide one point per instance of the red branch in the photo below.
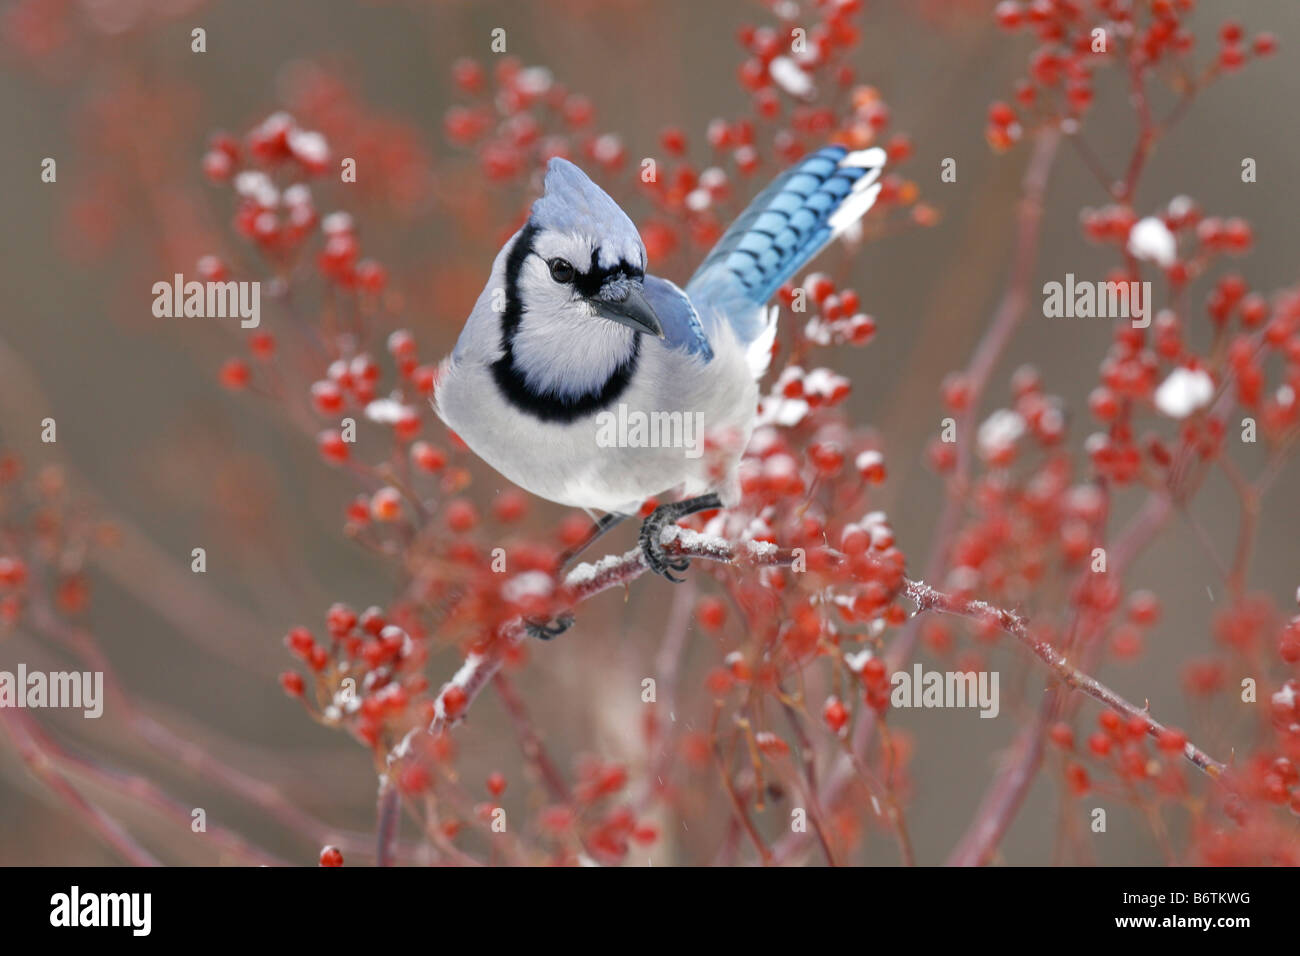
(584, 582)
(587, 580)
(929, 599)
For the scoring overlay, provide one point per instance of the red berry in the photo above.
(462, 516)
(510, 506)
(956, 391)
(1289, 645)
(331, 856)
(340, 619)
(1000, 114)
(217, 166)
(372, 621)
(871, 466)
(467, 74)
(423, 378)
(386, 504)
(234, 374)
(326, 396)
(428, 457)
(454, 700)
(371, 276)
(711, 613)
(861, 328)
(1231, 57)
(414, 779)
(363, 368)
(339, 254)
(407, 424)
(13, 572)
(292, 683)
(332, 447)
(401, 344)
(835, 714)
(719, 682)
(827, 458)
(673, 140)
(819, 287)
(300, 641)
(1008, 14)
(1076, 779)
(1143, 608)
(358, 510)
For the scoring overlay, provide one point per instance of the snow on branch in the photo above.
(587, 580)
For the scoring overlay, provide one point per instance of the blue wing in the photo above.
(782, 229)
(682, 329)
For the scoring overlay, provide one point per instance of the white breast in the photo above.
(614, 460)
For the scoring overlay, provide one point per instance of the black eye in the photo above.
(561, 270)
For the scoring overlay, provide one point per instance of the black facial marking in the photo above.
(547, 406)
(589, 283)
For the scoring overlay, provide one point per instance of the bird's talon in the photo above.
(655, 557)
(660, 564)
(546, 630)
(658, 559)
(669, 575)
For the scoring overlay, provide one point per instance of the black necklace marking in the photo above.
(547, 406)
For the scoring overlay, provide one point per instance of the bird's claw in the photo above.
(545, 630)
(655, 555)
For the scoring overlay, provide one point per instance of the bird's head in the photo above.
(574, 304)
(586, 258)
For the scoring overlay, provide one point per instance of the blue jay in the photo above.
(570, 326)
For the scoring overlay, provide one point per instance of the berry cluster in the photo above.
(1076, 38)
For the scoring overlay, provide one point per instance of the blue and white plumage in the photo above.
(570, 325)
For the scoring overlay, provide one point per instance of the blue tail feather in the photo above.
(782, 230)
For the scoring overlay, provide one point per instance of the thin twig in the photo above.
(929, 599)
(41, 766)
(530, 742)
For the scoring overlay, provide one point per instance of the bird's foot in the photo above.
(545, 630)
(651, 529)
(655, 555)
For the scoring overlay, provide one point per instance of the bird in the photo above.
(571, 327)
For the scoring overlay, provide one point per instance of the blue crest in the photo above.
(573, 204)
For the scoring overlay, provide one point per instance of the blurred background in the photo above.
(112, 90)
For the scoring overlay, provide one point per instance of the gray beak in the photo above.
(632, 310)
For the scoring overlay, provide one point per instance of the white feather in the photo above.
(863, 195)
